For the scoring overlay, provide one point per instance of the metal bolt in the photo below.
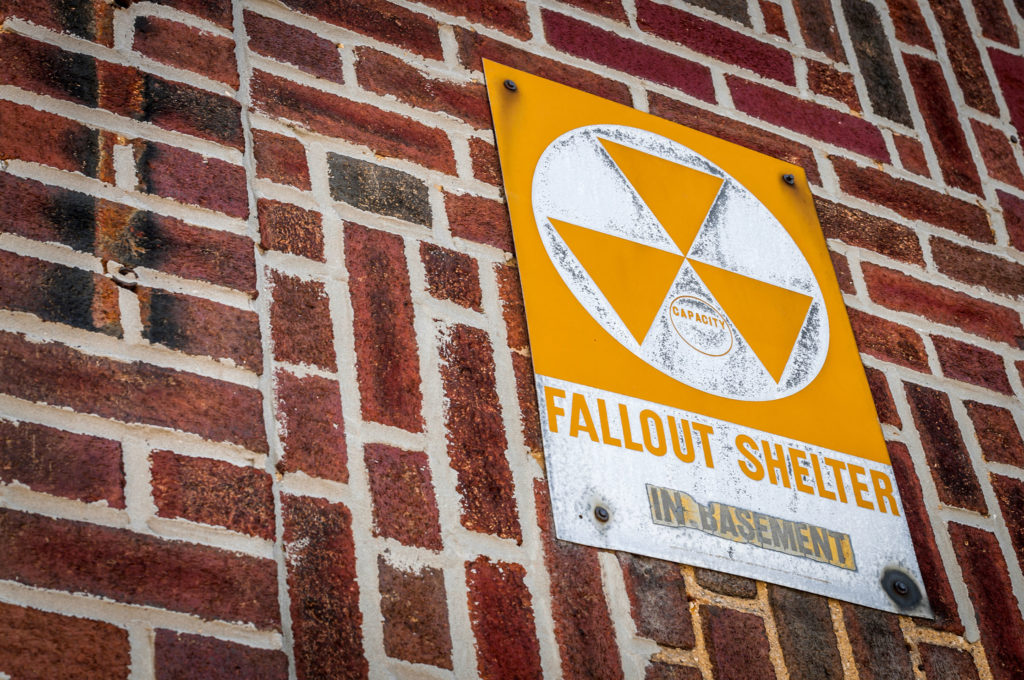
(901, 589)
(601, 513)
(1013, 138)
(789, 179)
(511, 86)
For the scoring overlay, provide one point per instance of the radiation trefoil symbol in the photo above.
(680, 263)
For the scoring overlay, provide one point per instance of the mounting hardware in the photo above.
(602, 514)
(511, 86)
(789, 179)
(901, 589)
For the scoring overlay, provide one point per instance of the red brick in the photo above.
(991, 592)
(293, 45)
(657, 600)
(997, 433)
(91, 19)
(818, 27)
(451, 275)
(826, 80)
(485, 161)
(312, 427)
(30, 135)
(479, 219)
(138, 569)
(201, 327)
(878, 645)
(527, 395)
(378, 19)
(508, 16)
(1000, 161)
(59, 294)
(736, 132)
(187, 47)
(217, 11)
(606, 8)
(843, 275)
(501, 614)
(804, 625)
(865, 230)
(182, 656)
(774, 19)
(589, 42)
(933, 572)
(386, 133)
(476, 434)
(387, 358)
(945, 663)
(962, 361)
(964, 56)
(913, 201)
(808, 118)
(191, 178)
(948, 459)
(45, 213)
(1010, 493)
(715, 40)
(474, 47)
(911, 154)
(415, 612)
(736, 643)
(326, 621)
(75, 466)
(889, 341)
(45, 645)
(726, 584)
(1009, 70)
(1013, 214)
(909, 23)
(943, 124)
(131, 392)
(884, 404)
(583, 626)
(281, 159)
(290, 229)
(300, 317)
(388, 75)
(657, 670)
(49, 70)
(404, 504)
(995, 21)
(213, 492)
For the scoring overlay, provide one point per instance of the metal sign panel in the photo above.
(701, 395)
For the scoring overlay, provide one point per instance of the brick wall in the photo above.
(267, 405)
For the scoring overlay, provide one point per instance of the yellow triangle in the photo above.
(633, 277)
(680, 197)
(768, 317)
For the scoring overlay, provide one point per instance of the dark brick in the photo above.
(485, 161)
(583, 625)
(739, 133)
(910, 25)
(657, 670)
(972, 364)
(476, 433)
(185, 176)
(898, 291)
(378, 19)
(49, 70)
(290, 229)
(843, 274)
(404, 504)
(312, 427)
(995, 21)
(943, 125)
(913, 201)
(991, 592)
(945, 663)
(964, 56)
(202, 327)
(300, 317)
(45, 645)
(129, 567)
(387, 359)
(281, 159)
(948, 459)
(998, 433)
(774, 19)
(736, 643)
(385, 133)
(715, 40)
(501, 614)
(726, 584)
(293, 45)
(884, 404)
(996, 151)
(827, 80)
(415, 611)
(89, 19)
(182, 656)
(888, 340)
(30, 135)
(217, 11)
(526, 392)
(379, 189)
(877, 65)
(213, 492)
(818, 27)
(1009, 70)
(657, 599)
(386, 74)
(1010, 493)
(75, 466)
(132, 392)
(607, 8)
(911, 153)
(1013, 214)
(865, 230)
(326, 620)
(878, 645)
(451, 275)
(479, 219)
(730, 9)
(639, 59)
(808, 118)
(45, 213)
(804, 624)
(187, 47)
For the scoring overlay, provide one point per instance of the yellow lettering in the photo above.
(883, 490)
(799, 470)
(775, 464)
(606, 435)
(837, 467)
(550, 394)
(819, 481)
(580, 419)
(705, 442)
(648, 416)
(859, 487)
(751, 467)
(626, 434)
(689, 455)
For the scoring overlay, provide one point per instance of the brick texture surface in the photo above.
(190, 657)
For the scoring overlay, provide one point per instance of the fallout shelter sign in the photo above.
(702, 399)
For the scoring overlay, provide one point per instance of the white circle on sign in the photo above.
(635, 222)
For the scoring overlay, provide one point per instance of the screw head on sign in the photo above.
(901, 589)
(511, 86)
(601, 513)
(789, 179)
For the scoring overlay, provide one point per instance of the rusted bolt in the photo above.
(901, 589)
(601, 513)
(511, 86)
(789, 179)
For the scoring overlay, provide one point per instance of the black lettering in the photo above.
(707, 518)
(819, 543)
(744, 525)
